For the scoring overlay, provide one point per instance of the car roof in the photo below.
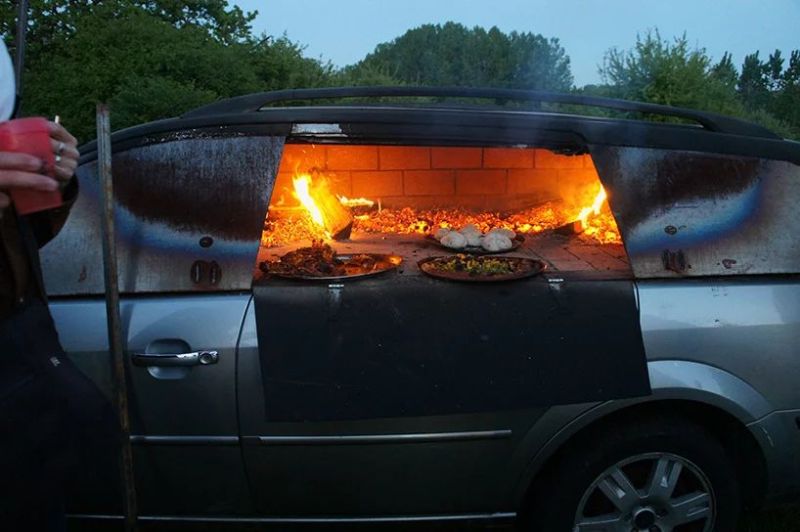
(252, 103)
(452, 116)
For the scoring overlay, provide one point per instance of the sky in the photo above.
(344, 31)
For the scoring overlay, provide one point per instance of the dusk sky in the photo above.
(344, 31)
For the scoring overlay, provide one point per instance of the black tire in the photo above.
(560, 490)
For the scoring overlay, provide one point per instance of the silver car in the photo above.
(645, 378)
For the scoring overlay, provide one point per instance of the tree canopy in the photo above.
(452, 54)
(673, 73)
(149, 59)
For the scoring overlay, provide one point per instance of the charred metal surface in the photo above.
(674, 261)
(698, 214)
(408, 345)
(195, 185)
(185, 202)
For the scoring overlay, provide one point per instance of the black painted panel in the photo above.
(406, 345)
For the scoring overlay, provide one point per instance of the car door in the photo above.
(183, 418)
(188, 215)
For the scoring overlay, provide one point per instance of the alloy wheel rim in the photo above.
(648, 492)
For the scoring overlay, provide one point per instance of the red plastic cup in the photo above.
(31, 135)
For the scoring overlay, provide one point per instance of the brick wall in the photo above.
(488, 178)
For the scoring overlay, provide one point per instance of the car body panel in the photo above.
(683, 213)
(749, 326)
(188, 215)
(780, 438)
(176, 419)
(392, 466)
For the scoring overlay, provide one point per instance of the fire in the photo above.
(355, 202)
(302, 189)
(325, 215)
(596, 205)
(325, 209)
(596, 222)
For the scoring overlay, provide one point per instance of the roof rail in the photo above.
(254, 102)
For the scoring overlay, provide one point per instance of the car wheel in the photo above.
(661, 475)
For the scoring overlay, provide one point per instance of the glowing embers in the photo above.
(319, 214)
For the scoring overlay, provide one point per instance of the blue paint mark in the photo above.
(137, 232)
(697, 223)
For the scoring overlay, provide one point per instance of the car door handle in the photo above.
(196, 358)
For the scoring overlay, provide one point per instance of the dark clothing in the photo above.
(56, 427)
(20, 239)
(58, 433)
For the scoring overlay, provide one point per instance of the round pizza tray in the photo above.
(526, 268)
(383, 263)
(516, 242)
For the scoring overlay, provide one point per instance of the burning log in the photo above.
(574, 227)
(324, 207)
(581, 223)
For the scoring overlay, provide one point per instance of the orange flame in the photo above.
(595, 223)
(324, 214)
(356, 202)
(324, 208)
(595, 208)
(302, 189)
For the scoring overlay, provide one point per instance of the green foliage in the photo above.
(452, 54)
(280, 64)
(667, 73)
(673, 73)
(150, 59)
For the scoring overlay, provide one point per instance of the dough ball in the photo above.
(474, 240)
(496, 242)
(503, 231)
(470, 229)
(454, 240)
(439, 234)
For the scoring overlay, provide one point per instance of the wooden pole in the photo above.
(19, 52)
(113, 316)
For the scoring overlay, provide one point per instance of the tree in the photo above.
(670, 73)
(753, 86)
(451, 54)
(673, 73)
(725, 72)
(786, 102)
(52, 20)
(152, 60)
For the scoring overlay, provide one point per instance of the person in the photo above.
(48, 408)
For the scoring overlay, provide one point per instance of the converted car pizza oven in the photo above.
(601, 204)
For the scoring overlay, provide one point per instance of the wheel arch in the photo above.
(704, 394)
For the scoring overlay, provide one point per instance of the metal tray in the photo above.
(533, 267)
(383, 263)
(472, 250)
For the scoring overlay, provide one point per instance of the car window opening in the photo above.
(404, 200)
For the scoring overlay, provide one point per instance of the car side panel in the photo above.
(372, 467)
(187, 459)
(748, 326)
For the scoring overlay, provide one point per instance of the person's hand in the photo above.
(66, 152)
(20, 170)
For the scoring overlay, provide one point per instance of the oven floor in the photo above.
(562, 253)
